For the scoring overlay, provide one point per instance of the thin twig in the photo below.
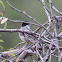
(20, 21)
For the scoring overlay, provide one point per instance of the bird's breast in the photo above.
(22, 37)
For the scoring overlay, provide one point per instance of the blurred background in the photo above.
(32, 7)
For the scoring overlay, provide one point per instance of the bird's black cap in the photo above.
(24, 24)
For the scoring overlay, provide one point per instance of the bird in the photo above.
(27, 38)
(24, 27)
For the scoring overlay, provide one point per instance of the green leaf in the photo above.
(1, 41)
(13, 55)
(1, 47)
(5, 26)
(3, 61)
(10, 49)
(2, 4)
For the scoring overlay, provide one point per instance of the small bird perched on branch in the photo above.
(29, 39)
(23, 36)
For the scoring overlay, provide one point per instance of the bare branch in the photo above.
(43, 44)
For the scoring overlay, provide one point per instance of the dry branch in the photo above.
(46, 42)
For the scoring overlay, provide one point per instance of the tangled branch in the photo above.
(46, 42)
